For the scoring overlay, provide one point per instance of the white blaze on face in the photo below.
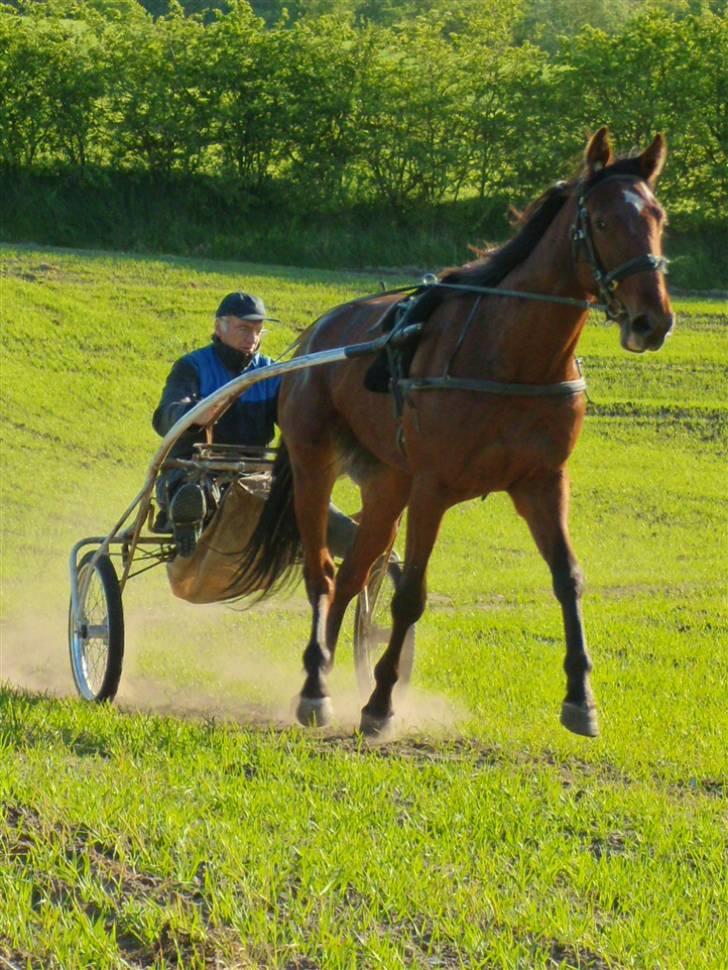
(633, 198)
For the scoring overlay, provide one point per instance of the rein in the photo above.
(523, 295)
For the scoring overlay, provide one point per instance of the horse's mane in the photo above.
(495, 264)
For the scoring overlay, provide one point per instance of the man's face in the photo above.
(241, 335)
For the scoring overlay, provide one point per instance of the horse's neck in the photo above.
(536, 340)
(551, 268)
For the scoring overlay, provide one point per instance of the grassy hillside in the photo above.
(485, 835)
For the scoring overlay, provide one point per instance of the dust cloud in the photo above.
(186, 661)
(34, 653)
(252, 688)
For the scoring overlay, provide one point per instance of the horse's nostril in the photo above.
(641, 324)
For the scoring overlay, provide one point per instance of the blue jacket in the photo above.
(250, 421)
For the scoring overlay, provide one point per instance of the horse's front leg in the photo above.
(544, 503)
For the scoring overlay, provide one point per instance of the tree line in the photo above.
(334, 109)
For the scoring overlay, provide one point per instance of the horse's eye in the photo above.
(600, 224)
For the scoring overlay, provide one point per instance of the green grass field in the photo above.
(193, 825)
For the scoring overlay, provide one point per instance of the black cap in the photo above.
(242, 305)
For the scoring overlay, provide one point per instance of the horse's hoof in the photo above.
(376, 727)
(314, 711)
(580, 719)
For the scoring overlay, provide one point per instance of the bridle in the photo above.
(582, 238)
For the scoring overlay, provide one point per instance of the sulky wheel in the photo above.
(96, 635)
(373, 624)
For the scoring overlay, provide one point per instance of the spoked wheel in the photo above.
(96, 634)
(373, 625)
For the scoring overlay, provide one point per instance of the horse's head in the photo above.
(619, 224)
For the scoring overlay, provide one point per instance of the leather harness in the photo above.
(405, 330)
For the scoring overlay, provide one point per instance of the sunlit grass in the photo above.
(486, 835)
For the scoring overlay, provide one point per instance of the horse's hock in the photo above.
(209, 575)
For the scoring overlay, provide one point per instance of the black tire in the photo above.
(96, 639)
(373, 624)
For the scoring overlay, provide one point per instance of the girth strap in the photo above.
(562, 389)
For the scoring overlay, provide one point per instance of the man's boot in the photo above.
(187, 515)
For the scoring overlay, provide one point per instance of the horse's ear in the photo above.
(652, 159)
(598, 151)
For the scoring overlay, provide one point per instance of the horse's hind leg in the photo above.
(384, 495)
(544, 502)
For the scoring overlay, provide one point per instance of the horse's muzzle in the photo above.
(645, 331)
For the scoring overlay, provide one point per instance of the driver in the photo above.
(235, 348)
(186, 503)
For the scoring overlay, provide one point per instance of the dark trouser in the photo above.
(341, 529)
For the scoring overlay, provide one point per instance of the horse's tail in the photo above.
(274, 549)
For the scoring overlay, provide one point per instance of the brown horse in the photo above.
(493, 402)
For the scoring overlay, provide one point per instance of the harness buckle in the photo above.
(578, 239)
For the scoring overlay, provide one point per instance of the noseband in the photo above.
(607, 282)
